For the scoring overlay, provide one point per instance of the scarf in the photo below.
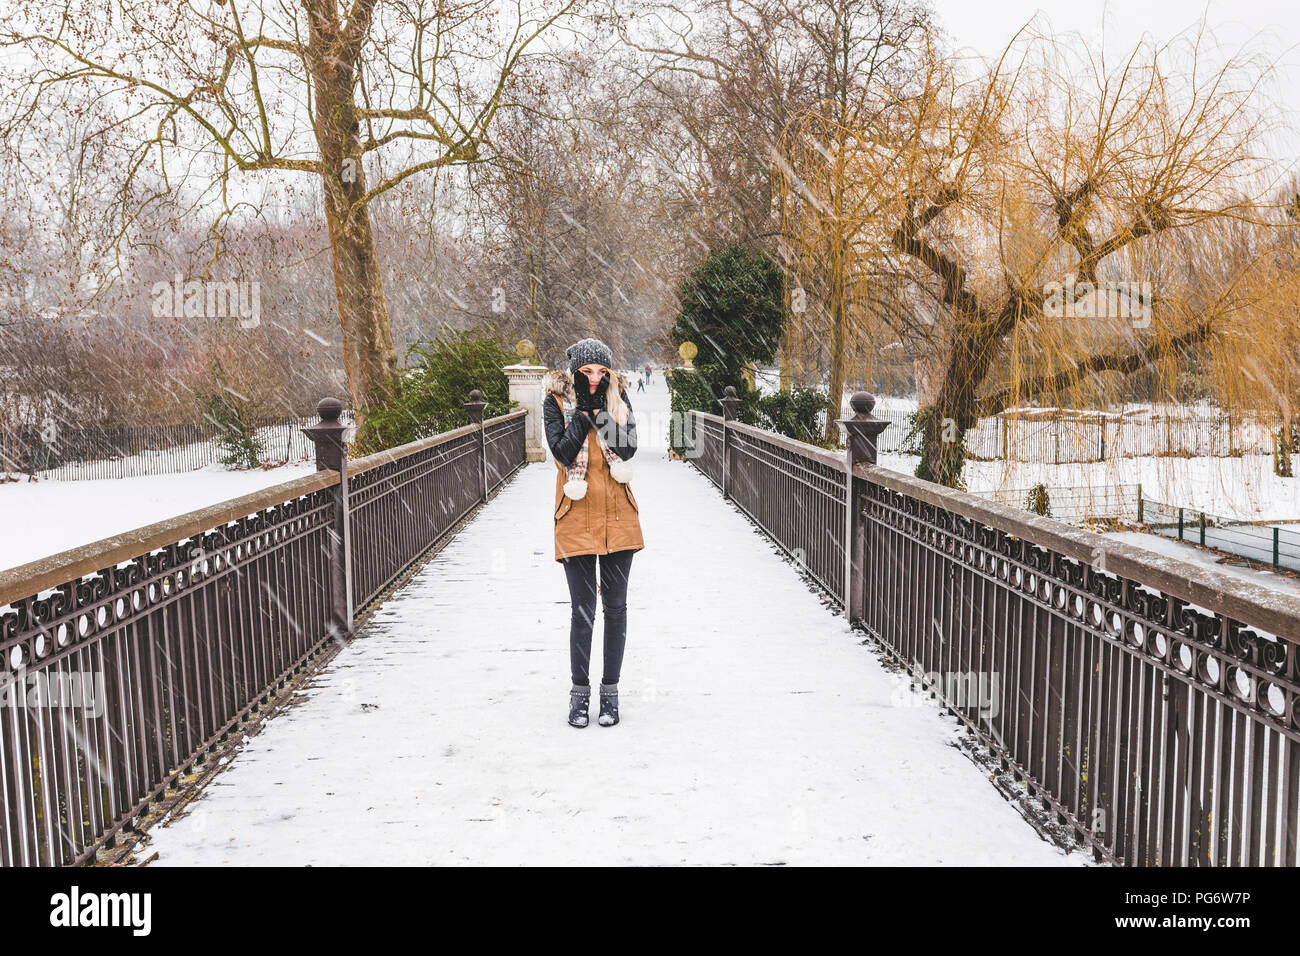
(576, 485)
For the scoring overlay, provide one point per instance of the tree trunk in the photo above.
(839, 362)
(839, 308)
(977, 343)
(368, 353)
(534, 304)
(955, 409)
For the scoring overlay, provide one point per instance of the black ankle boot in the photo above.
(579, 699)
(608, 705)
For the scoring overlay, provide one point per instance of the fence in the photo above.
(1272, 543)
(1265, 543)
(123, 662)
(124, 451)
(1151, 705)
(1069, 440)
(1078, 504)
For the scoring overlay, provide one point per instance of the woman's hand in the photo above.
(588, 400)
(581, 391)
(598, 396)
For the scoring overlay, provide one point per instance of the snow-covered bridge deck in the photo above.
(756, 729)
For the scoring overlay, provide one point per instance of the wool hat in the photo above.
(589, 351)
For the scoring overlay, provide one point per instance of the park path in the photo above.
(756, 728)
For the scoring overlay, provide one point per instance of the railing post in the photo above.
(331, 437)
(860, 438)
(730, 404)
(475, 407)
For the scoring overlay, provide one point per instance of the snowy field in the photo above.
(1243, 488)
(284, 442)
(41, 518)
(756, 728)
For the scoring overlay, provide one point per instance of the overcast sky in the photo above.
(1267, 27)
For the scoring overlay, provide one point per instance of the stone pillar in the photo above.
(730, 403)
(526, 389)
(862, 430)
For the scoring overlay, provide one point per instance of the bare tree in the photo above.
(768, 63)
(363, 97)
(573, 215)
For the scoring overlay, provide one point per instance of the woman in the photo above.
(596, 523)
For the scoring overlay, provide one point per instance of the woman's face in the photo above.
(593, 373)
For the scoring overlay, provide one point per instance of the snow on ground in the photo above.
(884, 403)
(1243, 488)
(755, 727)
(41, 518)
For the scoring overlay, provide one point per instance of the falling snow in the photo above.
(755, 726)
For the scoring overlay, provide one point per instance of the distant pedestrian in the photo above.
(640, 384)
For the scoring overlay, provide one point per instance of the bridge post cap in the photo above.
(862, 429)
(329, 435)
(730, 403)
(475, 406)
(862, 403)
(329, 409)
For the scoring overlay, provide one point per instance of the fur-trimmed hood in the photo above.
(559, 382)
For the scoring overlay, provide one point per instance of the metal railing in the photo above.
(792, 490)
(400, 503)
(125, 661)
(1265, 542)
(1153, 706)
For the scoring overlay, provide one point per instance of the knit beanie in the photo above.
(588, 352)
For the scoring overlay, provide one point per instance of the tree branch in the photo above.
(1123, 361)
(907, 239)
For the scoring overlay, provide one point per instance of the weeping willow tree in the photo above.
(1058, 229)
